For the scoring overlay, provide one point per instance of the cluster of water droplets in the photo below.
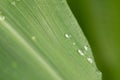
(2, 17)
(14, 2)
(82, 51)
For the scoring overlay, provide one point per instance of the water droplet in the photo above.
(2, 18)
(86, 48)
(74, 43)
(80, 52)
(33, 38)
(13, 3)
(90, 60)
(68, 36)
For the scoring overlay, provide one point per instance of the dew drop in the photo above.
(68, 36)
(33, 38)
(80, 52)
(13, 3)
(86, 48)
(90, 60)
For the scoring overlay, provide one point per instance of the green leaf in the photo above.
(41, 40)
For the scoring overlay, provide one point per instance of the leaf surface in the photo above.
(41, 40)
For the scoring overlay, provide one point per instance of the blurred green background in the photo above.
(100, 21)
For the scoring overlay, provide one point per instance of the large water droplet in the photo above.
(80, 52)
(90, 60)
(68, 36)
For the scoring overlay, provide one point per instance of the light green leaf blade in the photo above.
(41, 40)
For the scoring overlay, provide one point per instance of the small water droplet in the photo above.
(13, 3)
(33, 38)
(86, 48)
(74, 43)
(80, 52)
(90, 60)
(2, 18)
(68, 36)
